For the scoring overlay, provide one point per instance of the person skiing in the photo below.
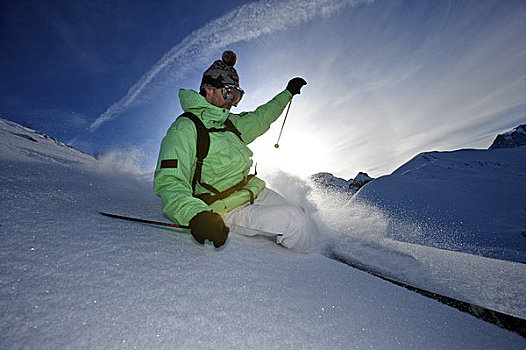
(217, 192)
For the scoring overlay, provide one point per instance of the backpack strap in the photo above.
(232, 128)
(229, 126)
(202, 147)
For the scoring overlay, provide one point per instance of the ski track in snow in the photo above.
(71, 278)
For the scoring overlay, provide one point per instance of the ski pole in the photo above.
(284, 120)
(151, 222)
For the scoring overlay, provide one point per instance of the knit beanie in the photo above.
(221, 72)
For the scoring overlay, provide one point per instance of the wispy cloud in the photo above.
(245, 23)
(386, 84)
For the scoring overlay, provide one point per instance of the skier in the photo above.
(209, 194)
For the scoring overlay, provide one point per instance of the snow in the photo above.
(466, 200)
(71, 278)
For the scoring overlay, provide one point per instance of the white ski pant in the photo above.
(272, 215)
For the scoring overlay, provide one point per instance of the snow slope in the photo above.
(71, 278)
(467, 200)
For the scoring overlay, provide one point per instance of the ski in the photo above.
(502, 320)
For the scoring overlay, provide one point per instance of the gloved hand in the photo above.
(295, 85)
(209, 225)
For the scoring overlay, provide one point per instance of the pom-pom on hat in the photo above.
(221, 72)
(229, 57)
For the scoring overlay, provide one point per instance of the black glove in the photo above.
(295, 85)
(209, 225)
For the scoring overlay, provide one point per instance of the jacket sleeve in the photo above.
(173, 183)
(256, 123)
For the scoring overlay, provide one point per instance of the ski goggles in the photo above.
(232, 94)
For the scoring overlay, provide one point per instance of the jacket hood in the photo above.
(192, 101)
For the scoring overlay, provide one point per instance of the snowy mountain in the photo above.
(511, 139)
(71, 278)
(466, 200)
(329, 181)
(359, 181)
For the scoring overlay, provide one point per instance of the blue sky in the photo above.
(387, 79)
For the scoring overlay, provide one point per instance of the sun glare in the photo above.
(299, 153)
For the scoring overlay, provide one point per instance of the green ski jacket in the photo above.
(228, 161)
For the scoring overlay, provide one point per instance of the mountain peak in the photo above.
(511, 139)
(328, 180)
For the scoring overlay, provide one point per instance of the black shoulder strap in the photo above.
(232, 128)
(229, 126)
(202, 146)
(203, 139)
